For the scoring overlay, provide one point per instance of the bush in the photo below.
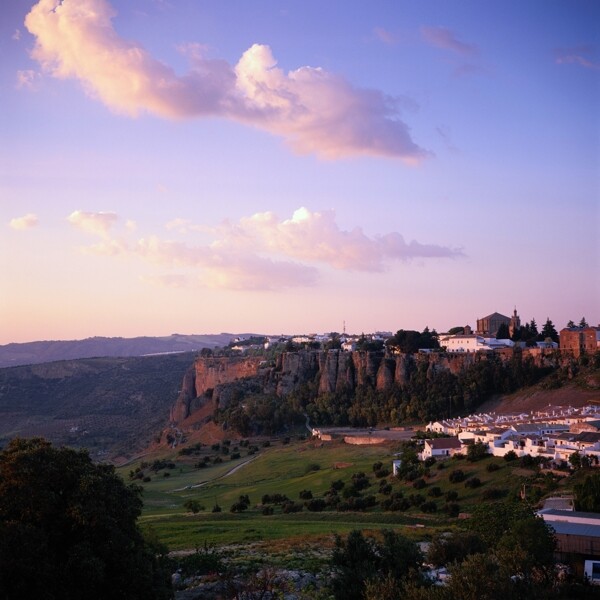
(452, 509)
(451, 495)
(429, 507)
(435, 492)
(337, 485)
(430, 461)
(193, 506)
(316, 505)
(416, 499)
(312, 467)
(493, 494)
(238, 507)
(510, 456)
(473, 482)
(492, 467)
(306, 495)
(456, 476)
(377, 466)
(292, 507)
(267, 510)
(419, 484)
(216, 508)
(384, 472)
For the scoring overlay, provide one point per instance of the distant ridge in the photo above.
(31, 353)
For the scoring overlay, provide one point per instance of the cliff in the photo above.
(216, 379)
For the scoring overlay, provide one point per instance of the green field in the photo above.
(306, 465)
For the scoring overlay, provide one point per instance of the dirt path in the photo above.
(227, 474)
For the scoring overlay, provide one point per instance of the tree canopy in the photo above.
(68, 529)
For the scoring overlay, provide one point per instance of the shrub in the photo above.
(416, 499)
(338, 484)
(216, 508)
(306, 495)
(473, 482)
(377, 466)
(267, 510)
(292, 507)
(492, 467)
(452, 509)
(430, 461)
(456, 476)
(316, 505)
(384, 472)
(385, 489)
(312, 467)
(193, 506)
(493, 494)
(429, 507)
(451, 495)
(435, 492)
(419, 484)
(510, 456)
(238, 507)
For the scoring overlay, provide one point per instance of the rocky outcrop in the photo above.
(218, 379)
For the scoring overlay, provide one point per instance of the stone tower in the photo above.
(515, 323)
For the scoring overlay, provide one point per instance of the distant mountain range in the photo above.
(31, 353)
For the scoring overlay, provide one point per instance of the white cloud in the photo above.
(16, 35)
(96, 223)
(313, 110)
(27, 221)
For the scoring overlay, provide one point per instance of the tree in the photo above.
(583, 323)
(68, 529)
(570, 324)
(359, 560)
(587, 494)
(503, 332)
(549, 331)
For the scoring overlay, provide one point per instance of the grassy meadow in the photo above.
(289, 469)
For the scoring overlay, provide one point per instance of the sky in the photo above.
(200, 166)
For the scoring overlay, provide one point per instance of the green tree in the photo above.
(358, 560)
(503, 333)
(549, 331)
(583, 323)
(587, 494)
(68, 529)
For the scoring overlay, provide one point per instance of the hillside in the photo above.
(30, 353)
(113, 406)
(574, 394)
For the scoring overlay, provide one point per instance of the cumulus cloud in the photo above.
(27, 221)
(96, 223)
(261, 252)
(313, 110)
(316, 237)
(444, 38)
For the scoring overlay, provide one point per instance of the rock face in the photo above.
(217, 379)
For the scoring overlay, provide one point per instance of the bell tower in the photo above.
(515, 323)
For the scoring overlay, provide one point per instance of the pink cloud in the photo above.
(27, 79)
(579, 55)
(444, 38)
(27, 221)
(96, 223)
(313, 110)
(316, 237)
(387, 37)
(262, 252)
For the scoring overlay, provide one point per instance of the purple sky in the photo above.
(198, 167)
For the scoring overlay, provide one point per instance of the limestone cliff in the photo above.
(217, 379)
